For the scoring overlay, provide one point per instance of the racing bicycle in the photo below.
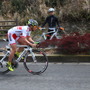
(35, 61)
(43, 36)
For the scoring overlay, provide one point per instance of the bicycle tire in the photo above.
(3, 68)
(15, 65)
(43, 64)
(5, 72)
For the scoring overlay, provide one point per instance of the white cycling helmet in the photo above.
(51, 10)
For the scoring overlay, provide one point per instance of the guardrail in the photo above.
(4, 27)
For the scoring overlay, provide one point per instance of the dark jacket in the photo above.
(52, 21)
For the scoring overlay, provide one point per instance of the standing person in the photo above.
(52, 22)
(20, 34)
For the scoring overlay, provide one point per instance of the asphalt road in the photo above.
(57, 77)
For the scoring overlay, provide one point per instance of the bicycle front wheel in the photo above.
(36, 63)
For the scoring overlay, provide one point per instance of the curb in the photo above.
(69, 58)
(63, 58)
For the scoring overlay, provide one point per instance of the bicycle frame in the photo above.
(53, 35)
(24, 53)
(27, 48)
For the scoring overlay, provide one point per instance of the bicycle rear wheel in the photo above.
(36, 65)
(3, 68)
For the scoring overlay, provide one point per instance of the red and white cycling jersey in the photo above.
(17, 32)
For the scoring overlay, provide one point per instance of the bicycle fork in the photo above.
(33, 55)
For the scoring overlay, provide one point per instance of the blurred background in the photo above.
(71, 13)
(74, 16)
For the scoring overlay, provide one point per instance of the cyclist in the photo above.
(52, 22)
(20, 34)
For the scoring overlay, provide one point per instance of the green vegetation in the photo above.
(77, 11)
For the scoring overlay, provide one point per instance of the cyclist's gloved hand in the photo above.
(36, 42)
(61, 28)
(34, 45)
(40, 28)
